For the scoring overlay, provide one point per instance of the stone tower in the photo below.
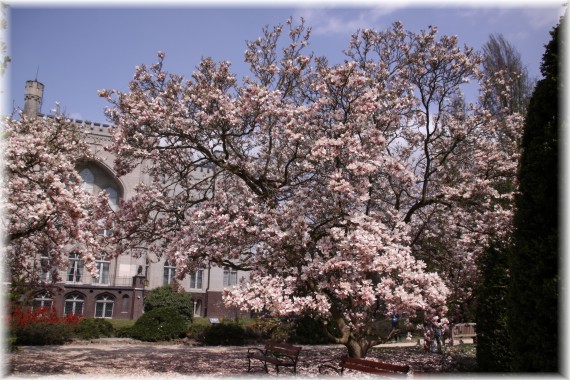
(33, 98)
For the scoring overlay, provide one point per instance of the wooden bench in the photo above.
(365, 365)
(463, 330)
(278, 354)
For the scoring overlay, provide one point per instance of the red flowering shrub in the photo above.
(41, 325)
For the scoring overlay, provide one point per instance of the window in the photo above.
(198, 308)
(103, 270)
(196, 279)
(113, 198)
(43, 299)
(230, 277)
(75, 270)
(125, 304)
(46, 269)
(104, 306)
(169, 272)
(104, 232)
(74, 304)
(88, 179)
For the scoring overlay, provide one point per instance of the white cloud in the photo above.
(539, 18)
(331, 21)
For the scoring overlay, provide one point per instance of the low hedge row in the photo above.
(166, 323)
(39, 333)
(229, 332)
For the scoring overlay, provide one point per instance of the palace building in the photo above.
(123, 281)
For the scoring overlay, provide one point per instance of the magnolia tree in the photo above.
(328, 181)
(46, 211)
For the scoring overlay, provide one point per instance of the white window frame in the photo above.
(46, 276)
(103, 268)
(43, 299)
(197, 279)
(74, 273)
(230, 277)
(168, 274)
(104, 304)
(75, 299)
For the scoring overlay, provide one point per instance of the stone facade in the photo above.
(120, 290)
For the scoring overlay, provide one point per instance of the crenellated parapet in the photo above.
(100, 133)
(94, 128)
(90, 126)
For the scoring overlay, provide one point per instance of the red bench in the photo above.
(365, 365)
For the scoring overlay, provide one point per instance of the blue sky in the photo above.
(77, 50)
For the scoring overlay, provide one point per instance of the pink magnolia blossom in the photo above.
(47, 212)
(348, 191)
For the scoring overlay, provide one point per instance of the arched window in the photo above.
(88, 179)
(198, 308)
(43, 299)
(113, 197)
(104, 306)
(125, 304)
(169, 272)
(74, 304)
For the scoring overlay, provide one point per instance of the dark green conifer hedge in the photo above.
(493, 340)
(534, 259)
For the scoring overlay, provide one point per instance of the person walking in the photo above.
(438, 332)
(395, 319)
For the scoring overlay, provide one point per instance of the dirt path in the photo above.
(120, 358)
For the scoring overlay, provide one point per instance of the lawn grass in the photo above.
(464, 355)
(120, 323)
(244, 322)
(460, 358)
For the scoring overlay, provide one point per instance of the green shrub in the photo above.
(250, 334)
(225, 334)
(11, 342)
(201, 321)
(124, 332)
(159, 325)
(42, 333)
(275, 329)
(308, 330)
(166, 296)
(92, 328)
(198, 331)
(228, 332)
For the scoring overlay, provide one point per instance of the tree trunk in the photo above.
(357, 349)
(356, 342)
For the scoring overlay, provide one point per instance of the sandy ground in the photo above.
(124, 358)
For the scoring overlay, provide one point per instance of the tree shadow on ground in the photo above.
(147, 359)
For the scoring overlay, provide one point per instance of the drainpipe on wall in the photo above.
(133, 301)
(207, 290)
